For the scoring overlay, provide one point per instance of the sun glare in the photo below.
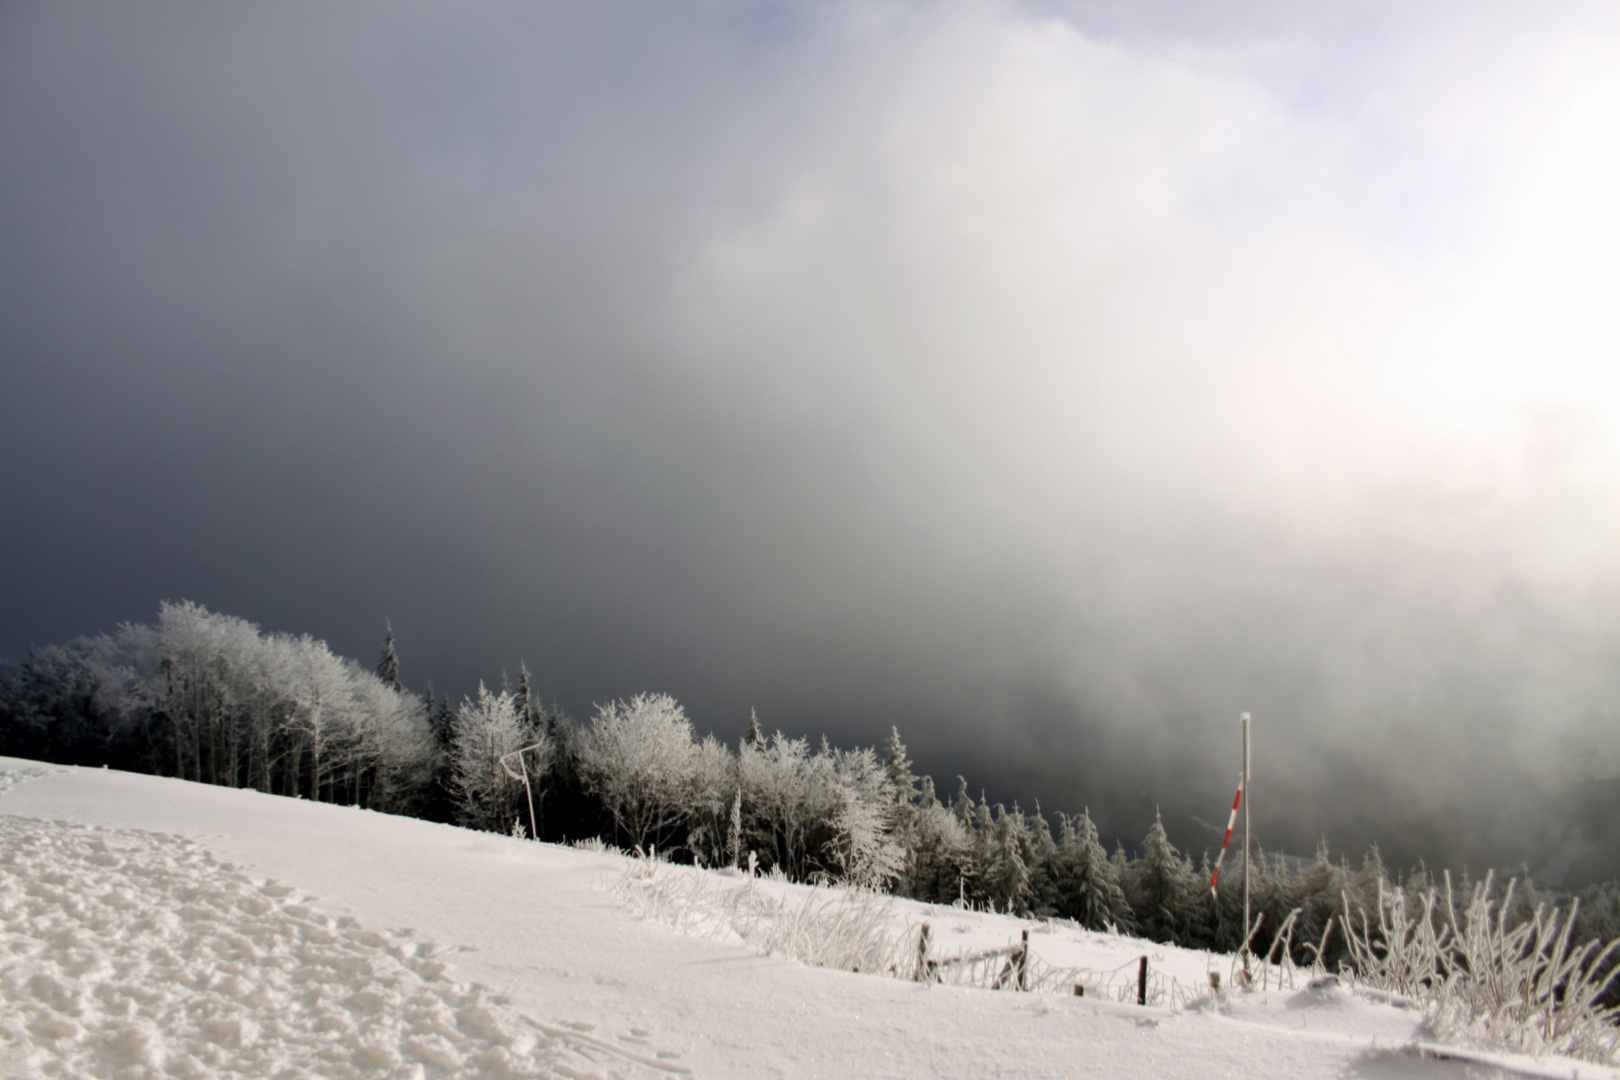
(1545, 329)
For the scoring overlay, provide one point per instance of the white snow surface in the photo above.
(154, 927)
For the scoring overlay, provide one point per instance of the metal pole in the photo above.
(534, 829)
(1244, 718)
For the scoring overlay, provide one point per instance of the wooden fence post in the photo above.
(1141, 982)
(922, 972)
(1023, 963)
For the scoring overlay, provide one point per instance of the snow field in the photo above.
(134, 954)
(539, 924)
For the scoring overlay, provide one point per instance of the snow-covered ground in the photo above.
(153, 927)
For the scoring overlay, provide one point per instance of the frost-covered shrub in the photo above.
(827, 928)
(1526, 986)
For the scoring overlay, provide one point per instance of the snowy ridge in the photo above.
(131, 953)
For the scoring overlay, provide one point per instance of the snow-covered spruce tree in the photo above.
(639, 757)
(902, 784)
(940, 848)
(1158, 885)
(1005, 875)
(1088, 881)
(1310, 893)
(528, 707)
(962, 804)
(1040, 855)
(388, 662)
(487, 729)
(753, 738)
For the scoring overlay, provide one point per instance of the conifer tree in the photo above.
(901, 788)
(939, 851)
(529, 711)
(897, 768)
(977, 872)
(1040, 855)
(1006, 873)
(1088, 880)
(962, 805)
(1322, 892)
(1158, 885)
(388, 662)
(753, 738)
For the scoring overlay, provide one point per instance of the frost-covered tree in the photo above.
(897, 768)
(1040, 855)
(388, 662)
(714, 796)
(962, 804)
(1088, 881)
(939, 851)
(1004, 872)
(865, 850)
(791, 800)
(488, 731)
(1158, 885)
(639, 758)
(528, 707)
(208, 697)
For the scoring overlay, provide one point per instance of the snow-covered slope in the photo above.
(153, 927)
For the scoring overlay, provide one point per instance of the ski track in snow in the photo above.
(131, 954)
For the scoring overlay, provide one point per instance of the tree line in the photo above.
(210, 698)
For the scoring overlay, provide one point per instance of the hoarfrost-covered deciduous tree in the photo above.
(209, 698)
(865, 850)
(638, 756)
(791, 799)
(489, 728)
(714, 794)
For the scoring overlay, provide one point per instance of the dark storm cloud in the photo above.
(1035, 379)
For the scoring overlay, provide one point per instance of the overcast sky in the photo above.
(1053, 380)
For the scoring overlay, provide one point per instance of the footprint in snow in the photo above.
(136, 954)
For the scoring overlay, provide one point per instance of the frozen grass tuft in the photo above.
(1522, 987)
(596, 844)
(846, 930)
(856, 930)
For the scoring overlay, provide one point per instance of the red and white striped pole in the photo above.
(1214, 882)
